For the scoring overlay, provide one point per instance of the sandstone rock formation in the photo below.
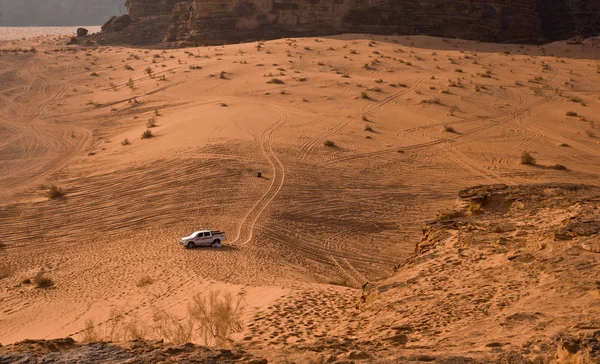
(504, 276)
(222, 21)
(82, 32)
(116, 23)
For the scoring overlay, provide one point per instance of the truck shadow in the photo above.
(223, 248)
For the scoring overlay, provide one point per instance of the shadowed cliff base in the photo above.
(194, 23)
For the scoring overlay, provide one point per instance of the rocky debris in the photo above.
(137, 351)
(116, 23)
(82, 32)
(195, 22)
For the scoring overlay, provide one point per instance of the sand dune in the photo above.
(360, 138)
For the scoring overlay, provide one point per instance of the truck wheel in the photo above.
(191, 245)
(216, 243)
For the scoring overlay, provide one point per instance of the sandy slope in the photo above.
(324, 220)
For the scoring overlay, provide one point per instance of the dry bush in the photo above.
(113, 328)
(364, 95)
(89, 333)
(151, 123)
(128, 67)
(42, 281)
(449, 129)
(276, 81)
(572, 113)
(55, 192)
(217, 316)
(125, 142)
(147, 134)
(145, 281)
(156, 112)
(171, 328)
(329, 143)
(368, 128)
(527, 158)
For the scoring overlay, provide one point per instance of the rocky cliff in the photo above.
(58, 12)
(220, 21)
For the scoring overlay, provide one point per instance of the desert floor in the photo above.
(360, 139)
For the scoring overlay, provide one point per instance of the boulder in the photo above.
(82, 32)
(116, 23)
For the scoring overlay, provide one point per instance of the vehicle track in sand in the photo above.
(246, 226)
(309, 147)
(47, 147)
(493, 121)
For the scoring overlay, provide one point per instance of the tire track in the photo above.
(248, 222)
(308, 148)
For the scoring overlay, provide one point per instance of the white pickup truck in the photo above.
(203, 238)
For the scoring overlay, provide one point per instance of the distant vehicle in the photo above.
(203, 238)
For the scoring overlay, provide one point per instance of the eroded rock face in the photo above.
(222, 21)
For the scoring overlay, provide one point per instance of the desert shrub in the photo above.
(151, 123)
(368, 128)
(195, 67)
(459, 70)
(364, 95)
(563, 145)
(125, 142)
(41, 281)
(156, 112)
(94, 74)
(558, 167)
(171, 328)
(144, 281)
(55, 192)
(149, 71)
(365, 118)
(445, 91)
(128, 67)
(223, 75)
(449, 129)
(89, 333)
(527, 158)
(572, 113)
(329, 143)
(147, 134)
(130, 84)
(276, 81)
(217, 316)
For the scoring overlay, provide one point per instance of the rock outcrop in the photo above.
(116, 23)
(507, 276)
(223, 21)
(137, 351)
